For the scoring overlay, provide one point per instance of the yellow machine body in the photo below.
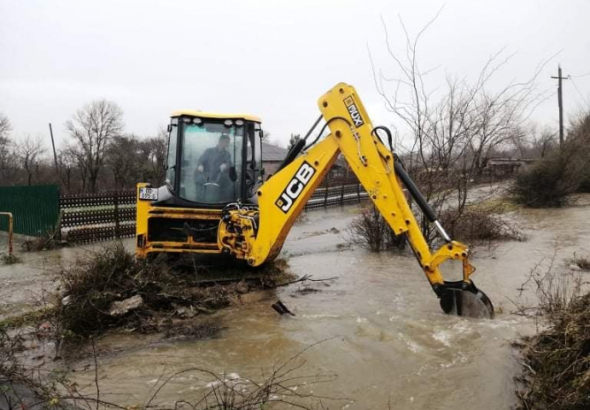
(257, 233)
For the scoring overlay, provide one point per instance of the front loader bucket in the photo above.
(469, 301)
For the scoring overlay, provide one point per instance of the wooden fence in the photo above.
(336, 191)
(106, 215)
(96, 217)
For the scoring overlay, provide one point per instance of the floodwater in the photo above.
(381, 337)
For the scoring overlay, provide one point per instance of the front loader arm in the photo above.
(282, 198)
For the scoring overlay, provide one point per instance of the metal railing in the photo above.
(10, 227)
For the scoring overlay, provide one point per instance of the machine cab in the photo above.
(213, 159)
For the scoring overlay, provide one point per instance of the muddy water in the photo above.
(384, 337)
(28, 285)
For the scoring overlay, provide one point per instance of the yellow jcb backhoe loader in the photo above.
(215, 200)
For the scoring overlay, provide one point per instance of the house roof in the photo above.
(202, 114)
(273, 153)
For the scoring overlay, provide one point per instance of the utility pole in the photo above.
(559, 78)
(54, 153)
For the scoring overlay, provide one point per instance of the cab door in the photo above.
(252, 169)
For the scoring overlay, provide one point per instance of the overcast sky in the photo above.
(269, 58)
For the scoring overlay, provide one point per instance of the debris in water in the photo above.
(281, 309)
(123, 307)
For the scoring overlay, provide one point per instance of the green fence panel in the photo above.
(35, 208)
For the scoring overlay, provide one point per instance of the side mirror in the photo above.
(261, 133)
(232, 174)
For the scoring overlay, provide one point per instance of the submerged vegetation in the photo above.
(475, 225)
(582, 262)
(478, 225)
(371, 231)
(283, 386)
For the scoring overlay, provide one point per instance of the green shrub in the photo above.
(547, 183)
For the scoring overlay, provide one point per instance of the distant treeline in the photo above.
(99, 154)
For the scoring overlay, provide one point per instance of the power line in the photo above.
(580, 76)
(578, 91)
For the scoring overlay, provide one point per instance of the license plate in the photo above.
(150, 194)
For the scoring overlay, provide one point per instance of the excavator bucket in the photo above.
(469, 301)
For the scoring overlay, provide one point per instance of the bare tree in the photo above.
(537, 143)
(75, 159)
(293, 139)
(67, 164)
(7, 163)
(454, 128)
(123, 159)
(92, 127)
(130, 160)
(5, 126)
(29, 152)
(5, 129)
(156, 149)
(545, 142)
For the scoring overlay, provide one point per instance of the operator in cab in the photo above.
(212, 169)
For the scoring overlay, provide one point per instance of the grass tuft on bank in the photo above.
(10, 259)
(582, 262)
(557, 371)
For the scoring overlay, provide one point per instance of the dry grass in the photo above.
(10, 259)
(557, 360)
(582, 262)
(283, 386)
(555, 289)
(21, 387)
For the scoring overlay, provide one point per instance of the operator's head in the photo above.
(223, 141)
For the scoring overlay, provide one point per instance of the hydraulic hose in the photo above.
(414, 191)
(419, 198)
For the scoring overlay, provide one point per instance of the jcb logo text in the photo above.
(295, 187)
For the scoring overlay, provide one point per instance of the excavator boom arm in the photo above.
(257, 235)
